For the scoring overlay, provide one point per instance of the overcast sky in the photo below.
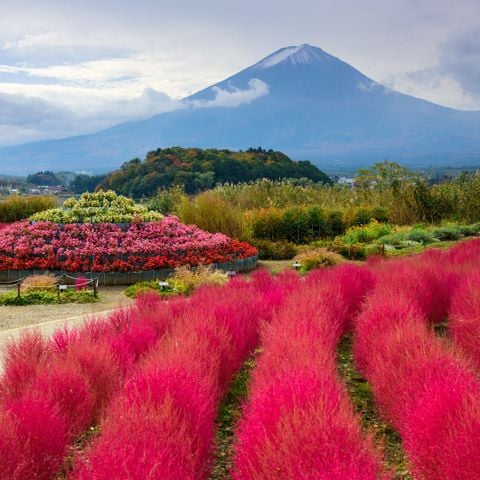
(69, 67)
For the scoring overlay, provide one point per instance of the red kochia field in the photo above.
(136, 395)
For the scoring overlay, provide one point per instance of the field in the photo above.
(352, 372)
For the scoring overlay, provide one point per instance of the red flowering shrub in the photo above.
(464, 318)
(298, 423)
(163, 423)
(422, 386)
(108, 247)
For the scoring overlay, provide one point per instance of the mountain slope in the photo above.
(299, 100)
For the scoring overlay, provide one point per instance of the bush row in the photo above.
(298, 422)
(422, 386)
(52, 391)
(163, 423)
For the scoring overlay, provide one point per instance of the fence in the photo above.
(61, 283)
(128, 278)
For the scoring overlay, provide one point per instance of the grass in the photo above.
(80, 443)
(229, 414)
(46, 297)
(362, 399)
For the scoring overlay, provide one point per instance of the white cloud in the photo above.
(234, 97)
(27, 118)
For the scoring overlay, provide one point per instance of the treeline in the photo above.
(197, 170)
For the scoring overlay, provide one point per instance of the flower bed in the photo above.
(108, 247)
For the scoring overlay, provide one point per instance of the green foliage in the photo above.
(299, 225)
(167, 200)
(364, 215)
(18, 207)
(352, 251)
(367, 233)
(98, 207)
(197, 170)
(420, 235)
(268, 250)
(182, 282)
(446, 233)
(47, 297)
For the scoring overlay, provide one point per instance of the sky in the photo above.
(70, 67)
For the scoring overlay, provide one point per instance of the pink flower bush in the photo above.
(108, 247)
(298, 423)
(422, 385)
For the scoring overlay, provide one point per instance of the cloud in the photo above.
(460, 59)
(235, 96)
(25, 118)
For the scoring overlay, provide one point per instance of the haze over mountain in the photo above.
(299, 100)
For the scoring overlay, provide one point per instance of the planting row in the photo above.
(152, 377)
(109, 247)
(157, 419)
(298, 422)
(422, 385)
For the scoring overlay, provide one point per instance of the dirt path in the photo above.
(16, 317)
(48, 318)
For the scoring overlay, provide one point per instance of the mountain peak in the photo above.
(295, 55)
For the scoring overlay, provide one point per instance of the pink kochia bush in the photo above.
(298, 423)
(105, 247)
(52, 391)
(464, 317)
(422, 386)
(162, 426)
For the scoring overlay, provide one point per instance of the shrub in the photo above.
(133, 291)
(352, 251)
(316, 258)
(395, 239)
(298, 422)
(364, 216)
(464, 325)
(420, 236)
(183, 281)
(446, 233)
(421, 385)
(367, 233)
(98, 207)
(281, 250)
(469, 230)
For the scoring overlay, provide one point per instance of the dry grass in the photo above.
(311, 258)
(203, 275)
(43, 282)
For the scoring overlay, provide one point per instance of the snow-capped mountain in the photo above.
(299, 100)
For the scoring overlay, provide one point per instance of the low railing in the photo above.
(60, 284)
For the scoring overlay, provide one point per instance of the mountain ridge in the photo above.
(300, 100)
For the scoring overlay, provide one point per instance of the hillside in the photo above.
(299, 100)
(198, 169)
